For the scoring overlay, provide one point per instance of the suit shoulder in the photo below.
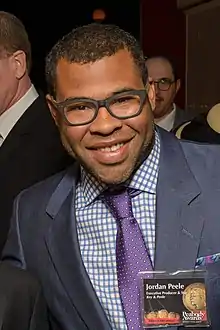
(45, 185)
(38, 117)
(200, 147)
(43, 111)
(40, 103)
(202, 157)
(42, 191)
(182, 116)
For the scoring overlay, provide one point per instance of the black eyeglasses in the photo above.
(164, 84)
(82, 111)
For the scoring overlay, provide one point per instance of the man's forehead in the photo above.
(159, 68)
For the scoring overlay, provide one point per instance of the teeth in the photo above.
(112, 148)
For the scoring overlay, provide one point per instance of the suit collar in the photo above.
(63, 190)
(62, 243)
(174, 168)
(179, 215)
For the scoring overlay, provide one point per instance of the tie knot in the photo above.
(119, 202)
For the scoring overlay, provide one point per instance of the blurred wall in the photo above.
(163, 31)
(202, 56)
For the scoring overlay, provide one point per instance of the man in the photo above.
(30, 147)
(167, 84)
(22, 305)
(69, 229)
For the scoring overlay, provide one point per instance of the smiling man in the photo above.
(137, 199)
(108, 131)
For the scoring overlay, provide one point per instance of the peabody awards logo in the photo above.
(194, 299)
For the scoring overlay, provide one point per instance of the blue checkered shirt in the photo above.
(97, 231)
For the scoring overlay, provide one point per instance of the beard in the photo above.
(118, 178)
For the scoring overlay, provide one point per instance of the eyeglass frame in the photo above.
(60, 106)
(171, 82)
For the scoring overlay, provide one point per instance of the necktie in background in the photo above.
(131, 254)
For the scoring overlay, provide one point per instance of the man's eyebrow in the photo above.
(115, 92)
(162, 78)
(122, 90)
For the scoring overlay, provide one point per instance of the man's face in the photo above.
(109, 148)
(158, 69)
(8, 82)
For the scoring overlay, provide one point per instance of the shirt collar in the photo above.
(91, 188)
(167, 122)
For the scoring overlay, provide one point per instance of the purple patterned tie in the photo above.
(131, 255)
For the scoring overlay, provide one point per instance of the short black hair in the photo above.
(90, 43)
(170, 60)
(14, 37)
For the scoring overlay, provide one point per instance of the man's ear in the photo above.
(178, 85)
(52, 108)
(19, 63)
(151, 92)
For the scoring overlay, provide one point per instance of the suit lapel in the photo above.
(179, 218)
(62, 244)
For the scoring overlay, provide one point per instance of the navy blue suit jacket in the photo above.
(43, 234)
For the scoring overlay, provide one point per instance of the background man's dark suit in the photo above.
(22, 306)
(198, 130)
(31, 152)
(181, 117)
(43, 236)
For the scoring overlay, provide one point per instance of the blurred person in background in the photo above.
(30, 147)
(167, 83)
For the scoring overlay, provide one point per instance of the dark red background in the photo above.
(163, 31)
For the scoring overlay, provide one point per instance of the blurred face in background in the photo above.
(166, 87)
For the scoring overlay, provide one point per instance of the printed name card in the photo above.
(174, 299)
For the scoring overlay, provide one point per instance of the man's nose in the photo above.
(105, 123)
(157, 90)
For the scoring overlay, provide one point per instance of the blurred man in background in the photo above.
(167, 83)
(30, 147)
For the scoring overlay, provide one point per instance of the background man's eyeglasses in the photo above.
(163, 84)
(82, 111)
